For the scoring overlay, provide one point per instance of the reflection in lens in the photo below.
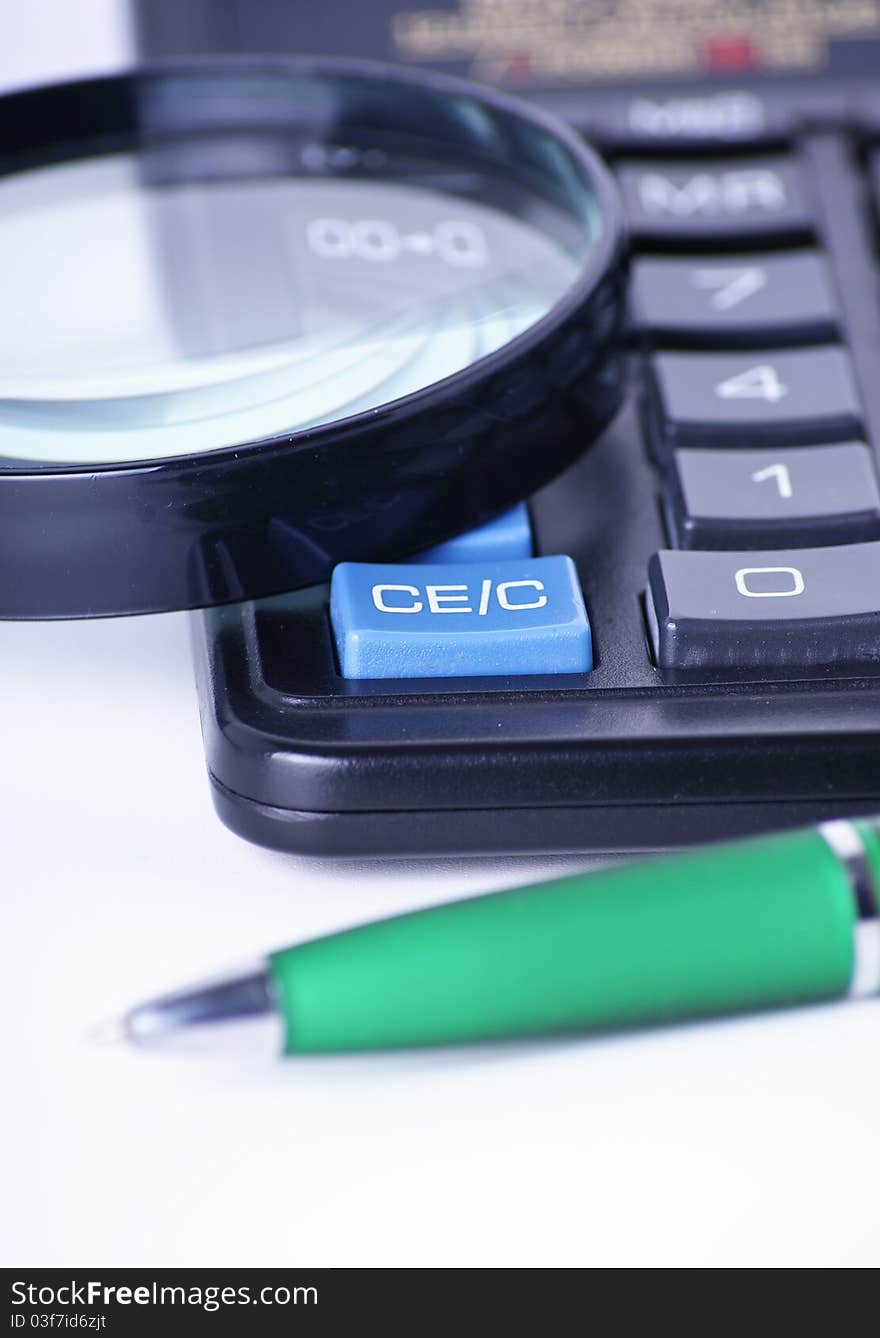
(146, 321)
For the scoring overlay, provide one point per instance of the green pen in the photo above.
(757, 923)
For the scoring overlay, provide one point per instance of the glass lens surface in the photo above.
(144, 320)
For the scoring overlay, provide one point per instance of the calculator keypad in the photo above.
(768, 492)
(754, 420)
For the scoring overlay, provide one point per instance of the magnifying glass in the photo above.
(260, 318)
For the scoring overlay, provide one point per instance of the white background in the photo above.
(745, 1142)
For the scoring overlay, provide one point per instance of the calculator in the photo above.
(679, 639)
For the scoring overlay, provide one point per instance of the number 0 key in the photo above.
(801, 609)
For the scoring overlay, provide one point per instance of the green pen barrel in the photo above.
(751, 924)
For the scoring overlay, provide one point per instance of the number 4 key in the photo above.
(742, 400)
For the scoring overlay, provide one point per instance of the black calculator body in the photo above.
(725, 532)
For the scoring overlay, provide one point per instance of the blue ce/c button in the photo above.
(500, 540)
(460, 620)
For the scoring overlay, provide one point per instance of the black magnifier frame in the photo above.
(274, 514)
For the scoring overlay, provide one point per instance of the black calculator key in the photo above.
(751, 399)
(731, 301)
(804, 496)
(797, 609)
(734, 118)
(716, 202)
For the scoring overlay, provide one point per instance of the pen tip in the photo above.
(227, 1000)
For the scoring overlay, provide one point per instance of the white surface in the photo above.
(42, 40)
(735, 1143)
(738, 1143)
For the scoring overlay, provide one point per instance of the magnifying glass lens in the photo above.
(262, 317)
(150, 316)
